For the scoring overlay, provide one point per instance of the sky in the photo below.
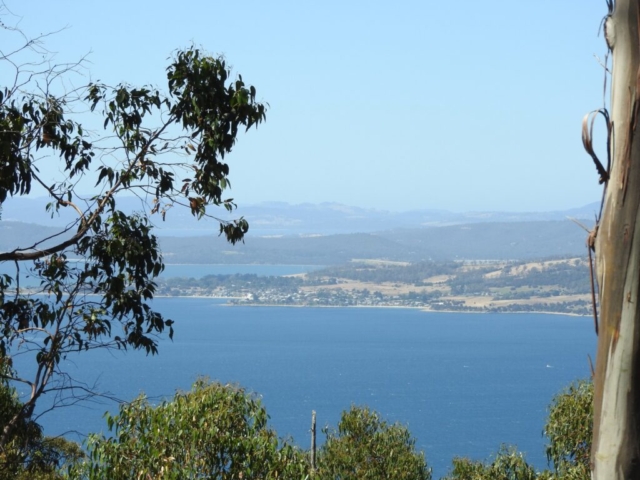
(403, 105)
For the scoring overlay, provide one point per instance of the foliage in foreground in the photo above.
(213, 431)
(220, 431)
(28, 453)
(167, 147)
(568, 430)
(365, 447)
(507, 465)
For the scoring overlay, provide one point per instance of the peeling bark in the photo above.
(616, 441)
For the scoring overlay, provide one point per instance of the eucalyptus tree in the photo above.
(168, 147)
(212, 431)
(366, 447)
(28, 453)
(616, 239)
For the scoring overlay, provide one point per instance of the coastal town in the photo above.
(553, 286)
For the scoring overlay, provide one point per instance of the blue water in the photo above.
(199, 271)
(462, 383)
(188, 271)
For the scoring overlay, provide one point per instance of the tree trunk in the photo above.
(616, 440)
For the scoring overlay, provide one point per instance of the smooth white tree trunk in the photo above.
(616, 441)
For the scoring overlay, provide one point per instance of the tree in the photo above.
(28, 453)
(366, 447)
(213, 431)
(167, 148)
(507, 465)
(616, 239)
(569, 429)
(219, 431)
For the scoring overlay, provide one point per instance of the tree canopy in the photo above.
(28, 452)
(217, 431)
(221, 431)
(213, 431)
(364, 446)
(568, 429)
(94, 279)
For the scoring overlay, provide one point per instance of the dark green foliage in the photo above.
(28, 454)
(219, 431)
(569, 429)
(365, 447)
(103, 300)
(213, 431)
(507, 465)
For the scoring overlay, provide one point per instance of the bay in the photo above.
(189, 271)
(202, 270)
(462, 383)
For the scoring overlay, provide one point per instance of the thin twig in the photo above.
(593, 290)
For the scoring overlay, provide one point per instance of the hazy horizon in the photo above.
(404, 106)
(9, 202)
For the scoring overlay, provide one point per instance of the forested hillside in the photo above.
(552, 285)
(486, 241)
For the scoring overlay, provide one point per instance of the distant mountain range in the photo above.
(329, 234)
(278, 218)
(479, 241)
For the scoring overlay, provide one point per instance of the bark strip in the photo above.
(616, 441)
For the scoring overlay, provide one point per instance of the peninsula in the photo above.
(557, 285)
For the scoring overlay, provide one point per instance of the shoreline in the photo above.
(423, 309)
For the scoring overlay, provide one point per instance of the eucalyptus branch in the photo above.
(82, 306)
(22, 254)
(58, 198)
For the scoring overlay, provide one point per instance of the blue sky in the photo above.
(469, 105)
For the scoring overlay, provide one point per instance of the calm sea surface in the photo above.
(462, 383)
(199, 271)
